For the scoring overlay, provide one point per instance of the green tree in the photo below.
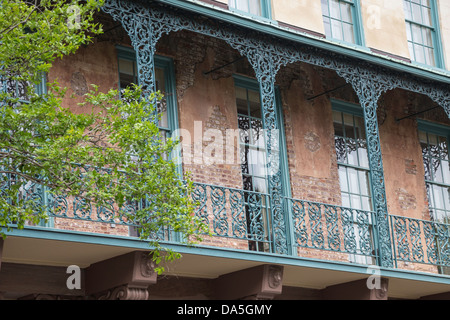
(113, 154)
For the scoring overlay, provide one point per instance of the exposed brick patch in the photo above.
(312, 142)
(410, 167)
(405, 199)
(78, 84)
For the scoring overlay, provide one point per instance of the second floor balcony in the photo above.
(243, 221)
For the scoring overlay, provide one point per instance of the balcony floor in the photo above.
(46, 248)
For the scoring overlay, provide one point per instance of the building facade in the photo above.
(316, 133)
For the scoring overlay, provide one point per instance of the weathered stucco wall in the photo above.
(402, 159)
(384, 26)
(444, 21)
(300, 13)
(93, 64)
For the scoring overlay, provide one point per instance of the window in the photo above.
(341, 20)
(252, 140)
(423, 32)
(434, 141)
(253, 159)
(437, 172)
(167, 108)
(353, 166)
(165, 82)
(19, 89)
(259, 8)
(252, 148)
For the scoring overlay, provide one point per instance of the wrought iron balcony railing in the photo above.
(421, 242)
(347, 234)
(242, 220)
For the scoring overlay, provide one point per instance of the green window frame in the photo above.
(252, 148)
(342, 21)
(252, 142)
(255, 8)
(353, 164)
(19, 89)
(352, 156)
(434, 140)
(167, 108)
(165, 82)
(423, 32)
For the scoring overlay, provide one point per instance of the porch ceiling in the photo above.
(49, 252)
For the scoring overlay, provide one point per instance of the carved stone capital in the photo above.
(125, 293)
(382, 292)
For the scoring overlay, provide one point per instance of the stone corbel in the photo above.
(126, 277)
(258, 283)
(125, 292)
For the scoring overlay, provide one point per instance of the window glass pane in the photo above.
(242, 5)
(244, 129)
(336, 29)
(254, 103)
(408, 11)
(355, 202)
(416, 33)
(345, 200)
(427, 37)
(349, 126)
(348, 33)
(416, 13)
(445, 172)
(127, 73)
(429, 56)
(419, 53)
(411, 51)
(162, 105)
(364, 182)
(327, 25)
(343, 178)
(366, 204)
(352, 148)
(408, 31)
(325, 10)
(353, 181)
(335, 9)
(241, 100)
(426, 16)
(260, 185)
(255, 7)
(346, 12)
(250, 6)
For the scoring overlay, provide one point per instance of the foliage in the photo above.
(115, 153)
